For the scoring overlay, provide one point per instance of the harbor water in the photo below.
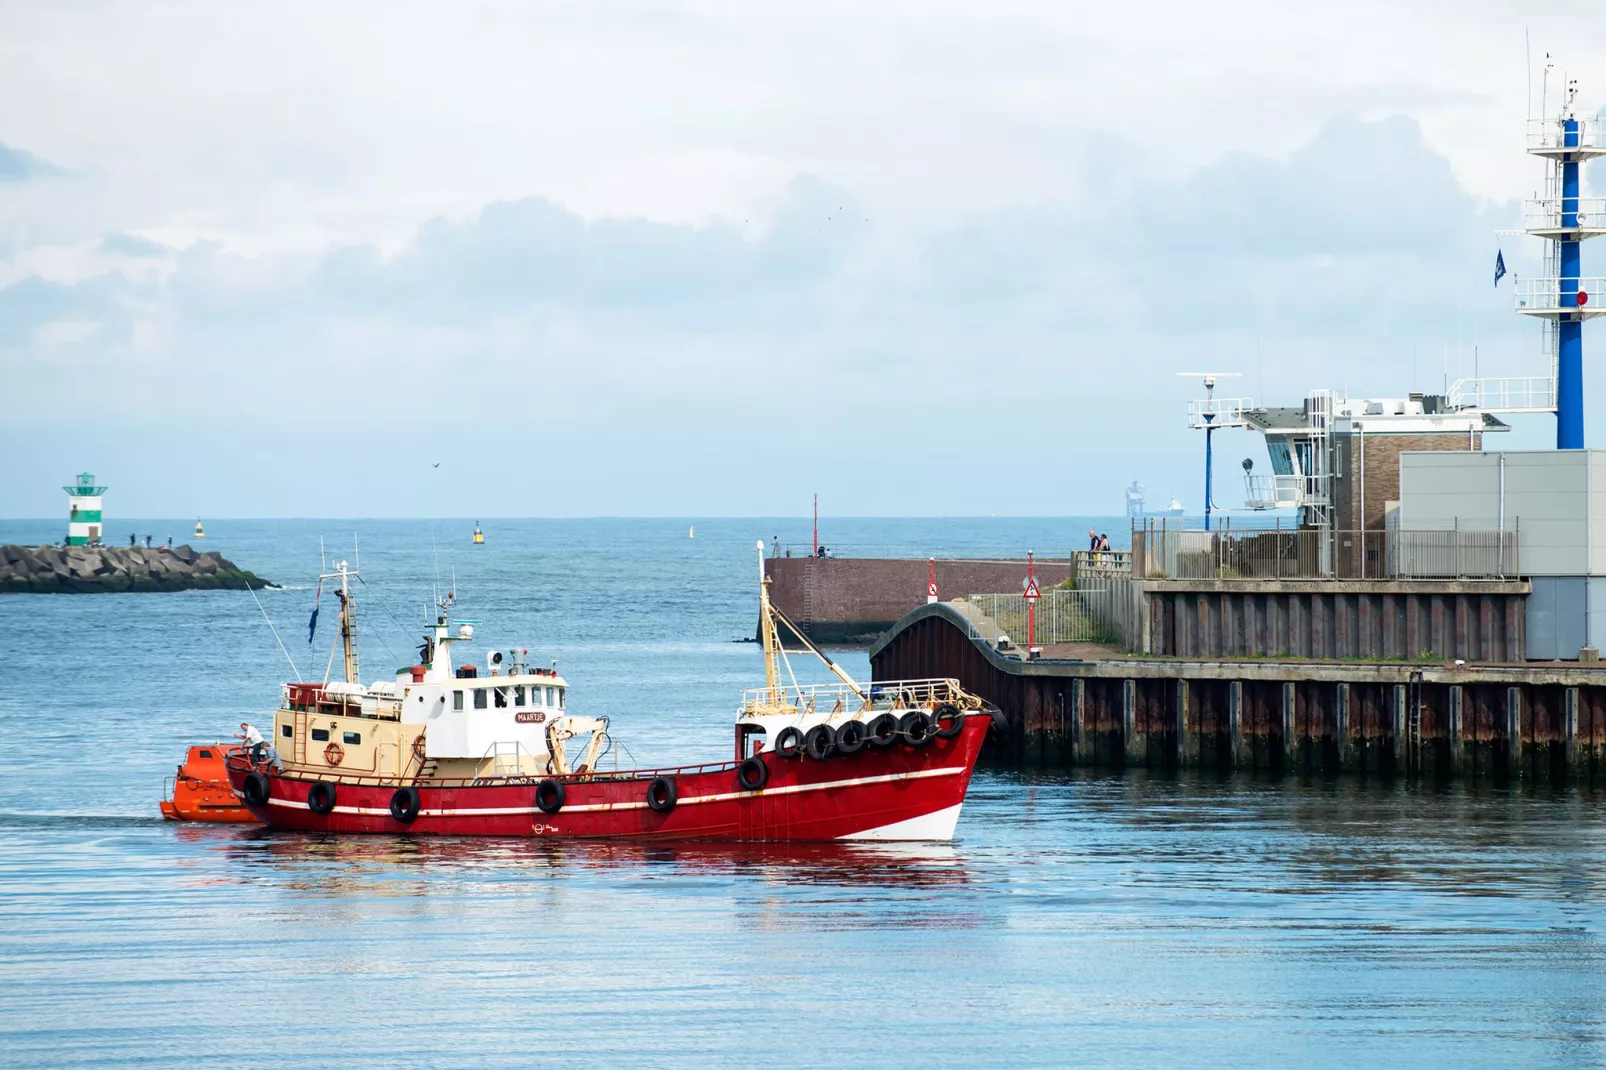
(1112, 920)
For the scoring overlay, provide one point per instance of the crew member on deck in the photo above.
(251, 738)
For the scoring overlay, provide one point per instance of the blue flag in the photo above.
(312, 624)
(1499, 266)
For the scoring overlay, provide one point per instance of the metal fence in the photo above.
(1327, 555)
(1063, 616)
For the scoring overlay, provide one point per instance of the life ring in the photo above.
(662, 795)
(321, 797)
(255, 788)
(752, 774)
(404, 805)
(953, 715)
(819, 742)
(418, 747)
(883, 730)
(851, 737)
(916, 728)
(789, 742)
(549, 796)
(334, 754)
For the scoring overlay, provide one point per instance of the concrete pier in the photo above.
(1436, 720)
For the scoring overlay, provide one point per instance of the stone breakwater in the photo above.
(85, 569)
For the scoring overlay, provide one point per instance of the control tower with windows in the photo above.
(83, 522)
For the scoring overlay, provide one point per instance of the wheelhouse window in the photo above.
(551, 696)
(353, 738)
(203, 754)
(479, 698)
(518, 694)
(457, 700)
(286, 730)
(560, 698)
(320, 735)
(501, 698)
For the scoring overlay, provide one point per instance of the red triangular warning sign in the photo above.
(1031, 588)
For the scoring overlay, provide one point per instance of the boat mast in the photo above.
(766, 628)
(348, 622)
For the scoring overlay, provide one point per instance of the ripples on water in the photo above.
(1088, 919)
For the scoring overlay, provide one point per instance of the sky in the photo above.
(693, 259)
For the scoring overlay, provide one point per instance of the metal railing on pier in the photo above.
(1314, 554)
(1063, 616)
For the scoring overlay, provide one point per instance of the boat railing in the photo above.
(830, 699)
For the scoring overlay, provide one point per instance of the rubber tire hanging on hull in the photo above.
(255, 788)
(820, 742)
(789, 742)
(953, 715)
(550, 796)
(752, 774)
(404, 805)
(321, 797)
(851, 737)
(916, 728)
(883, 730)
(662, 794)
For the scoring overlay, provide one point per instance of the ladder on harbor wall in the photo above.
(1413, 725)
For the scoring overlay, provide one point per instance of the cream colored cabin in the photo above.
(433, 721)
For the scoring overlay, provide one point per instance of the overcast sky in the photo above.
(707, 259)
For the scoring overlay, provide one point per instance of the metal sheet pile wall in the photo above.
(1499, 722)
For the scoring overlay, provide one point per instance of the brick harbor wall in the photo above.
(847, 599)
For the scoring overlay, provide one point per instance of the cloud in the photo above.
(659, 367)
(19, 166)
(132, 245)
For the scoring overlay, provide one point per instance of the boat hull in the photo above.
(897, 792)
(201, 790)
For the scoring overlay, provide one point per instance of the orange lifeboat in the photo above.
(201, 790)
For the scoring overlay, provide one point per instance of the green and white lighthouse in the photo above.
(83, 523)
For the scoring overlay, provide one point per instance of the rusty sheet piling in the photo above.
(1542, 722)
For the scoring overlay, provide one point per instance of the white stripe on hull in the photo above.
(937, 825)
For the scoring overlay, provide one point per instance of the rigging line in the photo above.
(393, 620)
(274, 630)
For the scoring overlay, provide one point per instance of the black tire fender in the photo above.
(953, 715)
(662, 794)
(321, 797)
(851, 737)
(752, 774)
(789, 742)
(404, 804)
(550, 796)
(883, 730)
(917, 728)
(819, 742)
(255, 788)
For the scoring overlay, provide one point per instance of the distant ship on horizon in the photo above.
(1135, 510)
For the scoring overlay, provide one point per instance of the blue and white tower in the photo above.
(1563, 296)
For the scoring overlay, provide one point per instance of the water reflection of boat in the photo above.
(444, 750)
(363, 860)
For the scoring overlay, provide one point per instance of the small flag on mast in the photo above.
(1499, 266)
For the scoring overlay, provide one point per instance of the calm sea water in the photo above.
(1078, 920)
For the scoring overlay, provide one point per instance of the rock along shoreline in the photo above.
(89, 569)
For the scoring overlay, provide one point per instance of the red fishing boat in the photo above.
(446, 750)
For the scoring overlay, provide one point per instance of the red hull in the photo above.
(899, 792)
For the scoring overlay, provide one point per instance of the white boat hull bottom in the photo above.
(937, 825)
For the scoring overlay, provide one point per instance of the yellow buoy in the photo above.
(479, 536)
(200, 532)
